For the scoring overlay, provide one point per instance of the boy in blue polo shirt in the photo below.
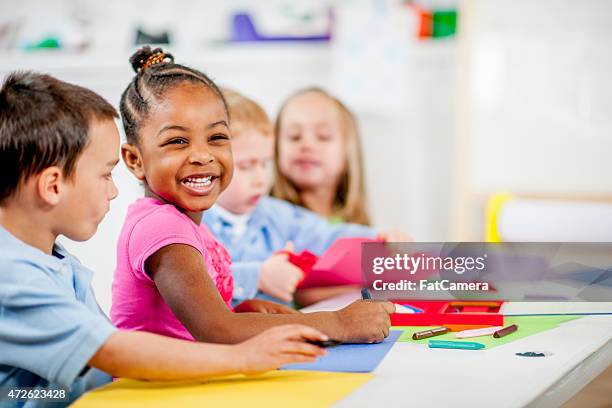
(254, 226)
(58, 145)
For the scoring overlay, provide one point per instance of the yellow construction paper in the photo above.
(281, 389)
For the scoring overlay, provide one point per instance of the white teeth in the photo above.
(198, 182)
(199, 179)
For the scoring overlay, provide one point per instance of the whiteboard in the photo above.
(539, 96)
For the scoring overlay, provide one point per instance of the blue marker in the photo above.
(365, 294)
(461, 345)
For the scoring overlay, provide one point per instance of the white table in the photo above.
(414, 375)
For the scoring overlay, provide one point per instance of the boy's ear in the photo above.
(133, 160)
(50, 185)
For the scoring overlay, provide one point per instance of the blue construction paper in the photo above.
(351, 358)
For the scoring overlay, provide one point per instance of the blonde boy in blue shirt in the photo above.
(254, 227)
(58, 145)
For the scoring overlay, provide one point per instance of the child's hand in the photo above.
(263, 306)
(279, 277)
(365, 321)
(394, 236)
(279, 346)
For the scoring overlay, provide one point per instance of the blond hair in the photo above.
(246, 114)
(350, 198)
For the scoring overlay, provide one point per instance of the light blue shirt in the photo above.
(273, 222)
(50, 322)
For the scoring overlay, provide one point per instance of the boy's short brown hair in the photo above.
(43, 122)
(246, 114)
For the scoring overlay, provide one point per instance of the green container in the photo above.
(444, 23)
(44, 44)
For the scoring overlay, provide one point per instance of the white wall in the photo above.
(537, 97)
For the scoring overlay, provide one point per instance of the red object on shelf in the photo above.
(441, 313)
(425, 21)
(426, 25)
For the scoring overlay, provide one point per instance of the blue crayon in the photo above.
(461, 345)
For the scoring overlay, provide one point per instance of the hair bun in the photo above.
(145, 57)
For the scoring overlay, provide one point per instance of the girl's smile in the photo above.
(200, 184)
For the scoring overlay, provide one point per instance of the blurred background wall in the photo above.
(456, 100)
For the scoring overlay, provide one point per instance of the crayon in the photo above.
(487, 331)
(505, 331)
(461, 345)
(429, 333)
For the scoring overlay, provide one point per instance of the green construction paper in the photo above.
(527, 325)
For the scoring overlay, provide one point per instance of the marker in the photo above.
(414, 308)
(505, 331)
(365, 294)
(403, 309)
(325, 343)
(429, 333)
(487, 331)
(461, 345)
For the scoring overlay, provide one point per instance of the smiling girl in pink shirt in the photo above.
(172, 276)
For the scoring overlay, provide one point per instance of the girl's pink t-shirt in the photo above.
(149, 226)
